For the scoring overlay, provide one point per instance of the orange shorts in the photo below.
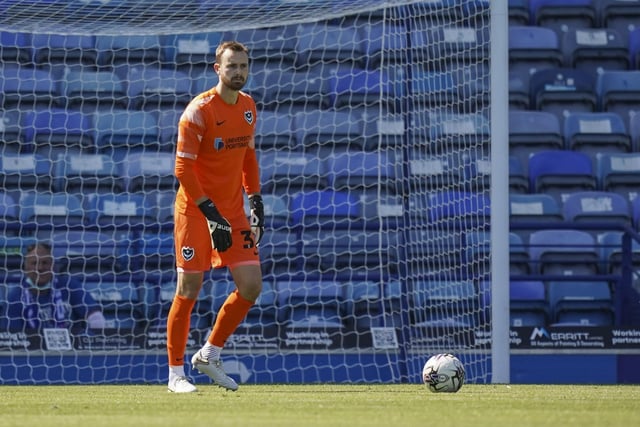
(193, 244)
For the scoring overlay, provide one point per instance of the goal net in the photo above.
(373, 141)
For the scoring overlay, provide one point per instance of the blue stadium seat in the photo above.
(363, 305)
(634, 130)
(52, 50)
(581, 303)
(538, 207)
(563, 252)
(15, 47)
(444, 303)
(272, 45)
(478, 252)
(435, 89)
(325, 131)
(273, 131)
(620, 15)
(149, 171)
(276, 211)
(363, 171)
(46, 211)
(25, 172)
(597, 206)
(383, 211)
(634, 48)
(468, 130)
(452, 44)
(519, 261)
(612, 256)
(9, 216)
(164, 202)
(127, 211)
(617, 92)
(87, 89)
(563, 90)
(382, 129)
(518, 178)
(322, 42)
(560, 172)
(309, 303)
(519, 96)
(358, 87)
(286, 172)
(280, 253)
(114, 50)
(519, 14)
(440, 246)
(528, 304)
(154, 252)
(599, 132)
(595, 49)
(11, 138)
(532, 131)
(119, 132)
(168, 119)
(350, 253)
(459, 207)
(89, 251)
(317, 208)
(27, 88)
(57, 130)
(12, 250)
(86, 173)
(120, 300)
(635, 208)
(150, 87)
(192, 53)
(440, 171)
(450, 11)
(560, 15)
(383, 43)
(620, 173)
(533, 48)
(293, 90)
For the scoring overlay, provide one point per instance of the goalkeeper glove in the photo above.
(219, 227)
(257, 216)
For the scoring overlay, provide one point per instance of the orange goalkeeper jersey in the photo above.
(215, 154)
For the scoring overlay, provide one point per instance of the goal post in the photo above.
(381, 135)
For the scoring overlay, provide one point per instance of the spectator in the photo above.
(44, 299)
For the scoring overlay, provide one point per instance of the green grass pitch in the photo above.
(321, 405)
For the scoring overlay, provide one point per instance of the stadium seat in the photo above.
(599, 132)
(164, 202)
(88, 89)
(518, 179)
(363, 306)
(563, 252)
(15, 47)
(437, 172)
(119, 132)
(154, 252)
(322, 42)
(620, 15)
(469, 130)
(477, 256)
(442, 248)
(359, 87)
(9, 216)
(532, 131)
(519, 13)
(12, 250)
(444, 303)
(435, 89)
(451, 44)
(538, 208)
(635, 208)
(459, 207)
(595, 49)
(560, 172)
(562, 91)
(519, 96)
(597, 206)
(86, 173)
(581, 303)
(114, 50)
(309, 303)
(168, 119)
(363, 172)
(126, 211)
(315, 208)
(192, 53)
(612, 252)
(634, 49)
(519, 261)
(383, 43)
(27, 88)
(383, 211)
(46, 211)
(292, 90)
(276, 211)
(23, 172)
(528, 304)
(280, 253)
(89, 251)
(67, 50)
(120, 301)
(533, 48)
(150, 87)
(618, 92)
(286, 172)
(560, 15)
(620, 173)
(349, 253)
(58, 131)
(273, 131)
(634, 130)
(323, 132)
(271, 46)
(11, 139)
(149, 171)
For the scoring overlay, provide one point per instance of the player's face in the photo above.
(38, 266)
(233, 69)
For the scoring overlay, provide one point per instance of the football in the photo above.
(443, 373)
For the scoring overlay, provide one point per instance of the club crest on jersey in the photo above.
(187, 253)
(218, 144)
(248, 116)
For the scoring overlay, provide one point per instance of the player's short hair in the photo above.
(46, 246)
(232, 45)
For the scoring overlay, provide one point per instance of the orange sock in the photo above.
(234, 309)
(178, 323)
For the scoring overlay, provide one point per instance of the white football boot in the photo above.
(181, 384)
(213, 369)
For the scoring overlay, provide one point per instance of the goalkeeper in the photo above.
(215, 162)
